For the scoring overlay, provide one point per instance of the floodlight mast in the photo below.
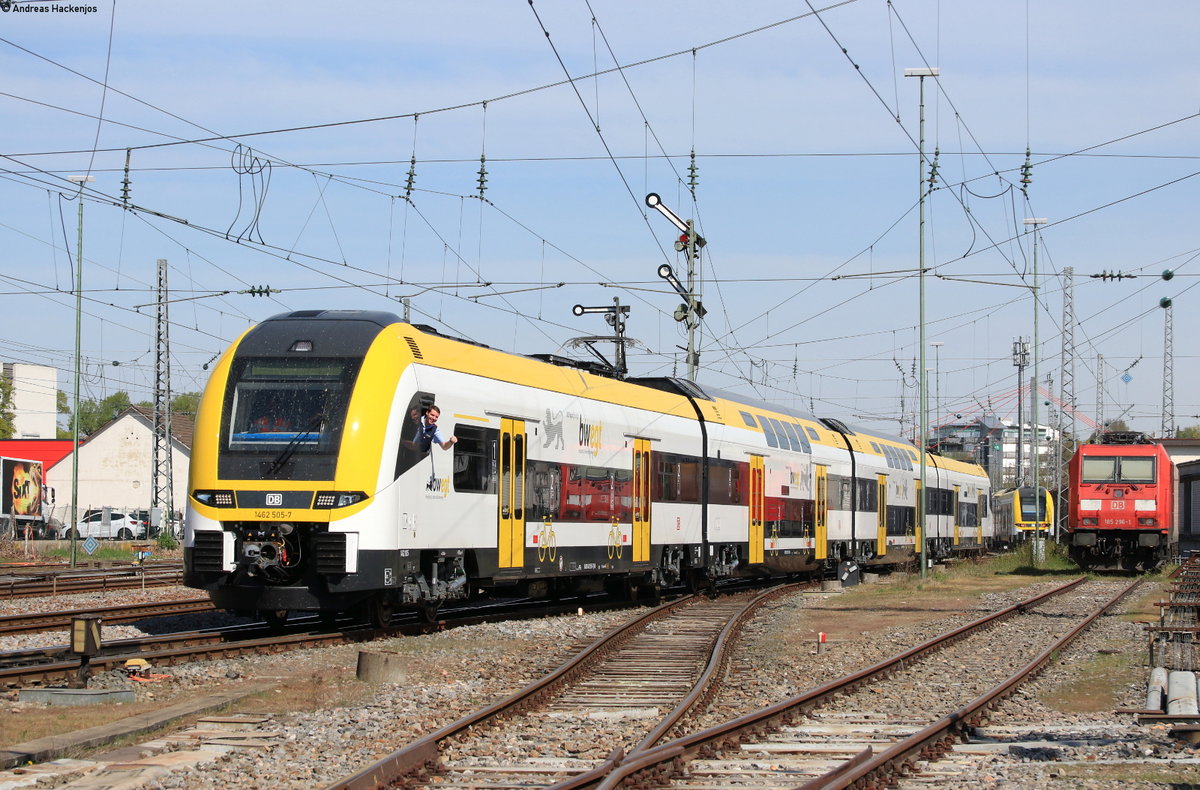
(691, 311)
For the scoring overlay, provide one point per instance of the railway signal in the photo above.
(691, 311)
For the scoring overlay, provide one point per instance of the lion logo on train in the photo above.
(554, 429)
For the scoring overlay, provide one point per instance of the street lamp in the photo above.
(81, 180)
(921, 74)
(1039, 546)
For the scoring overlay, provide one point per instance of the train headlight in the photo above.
(1089, 522)
(1089, 504)
(1147, 522)
(1145, 504)
(214, 498)
(328, 500)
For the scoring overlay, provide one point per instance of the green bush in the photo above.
(167, 541)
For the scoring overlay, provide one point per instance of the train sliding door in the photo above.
(954, 516)
(822, 514)
(511, 540)
(881, 501)
(758, 508)
(641, 500)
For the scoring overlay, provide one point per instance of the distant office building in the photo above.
(35, 400)
(992, 443)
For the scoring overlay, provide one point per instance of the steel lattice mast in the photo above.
(161, 491)
(1066, 384)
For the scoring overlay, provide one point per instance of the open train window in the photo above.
(475, 459)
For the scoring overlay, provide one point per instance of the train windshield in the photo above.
(1137, 470)
(1118, 469)
(1033, 508)
(1100, 469)
(287, 406)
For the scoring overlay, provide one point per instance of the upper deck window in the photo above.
(769, 432)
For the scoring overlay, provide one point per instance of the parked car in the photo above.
(120, 526)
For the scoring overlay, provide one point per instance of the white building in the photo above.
(116, 466)
(35, 400)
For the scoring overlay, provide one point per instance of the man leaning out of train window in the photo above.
(430, 432)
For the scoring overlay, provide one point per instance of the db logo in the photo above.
(274, 500)
(1118, 504)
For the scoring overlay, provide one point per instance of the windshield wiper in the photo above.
(286, 454)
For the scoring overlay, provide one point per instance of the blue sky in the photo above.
(807, 186)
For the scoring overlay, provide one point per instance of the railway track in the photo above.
(28, 585)
(665, 660)
(894, 718)
(47, 666)
(854, 731)
(49, 621)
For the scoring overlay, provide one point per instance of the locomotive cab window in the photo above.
(286, 408)
(1100, 469)
(278, 402)
(1137, 470)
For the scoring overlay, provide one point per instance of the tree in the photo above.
(1115, 426)
(186, 403)
(183, 403)
(1191, 432)
(8, 418)
(94, 414)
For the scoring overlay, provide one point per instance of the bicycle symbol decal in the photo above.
(547, 542)
(614, 542)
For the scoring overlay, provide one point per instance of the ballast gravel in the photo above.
(451, 673)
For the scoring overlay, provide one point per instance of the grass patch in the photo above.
(30, 722)
(1098, 685)
(1176, 776)
(117, 552)
(1021, 561)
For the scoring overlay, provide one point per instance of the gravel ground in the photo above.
(457, 671)
(151, 627)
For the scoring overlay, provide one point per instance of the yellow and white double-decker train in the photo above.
(309, 489)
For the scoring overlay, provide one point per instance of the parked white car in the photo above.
(120, 526)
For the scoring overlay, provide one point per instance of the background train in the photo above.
(1020, 513)
(307, 491)
(1123, 504)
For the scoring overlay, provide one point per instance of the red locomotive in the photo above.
(1122, 511)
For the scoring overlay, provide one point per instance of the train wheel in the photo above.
(378, 611)
(428, 610)
(653, 594)
(275, 619)
(328, 619)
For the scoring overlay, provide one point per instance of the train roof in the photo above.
(594, 380)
